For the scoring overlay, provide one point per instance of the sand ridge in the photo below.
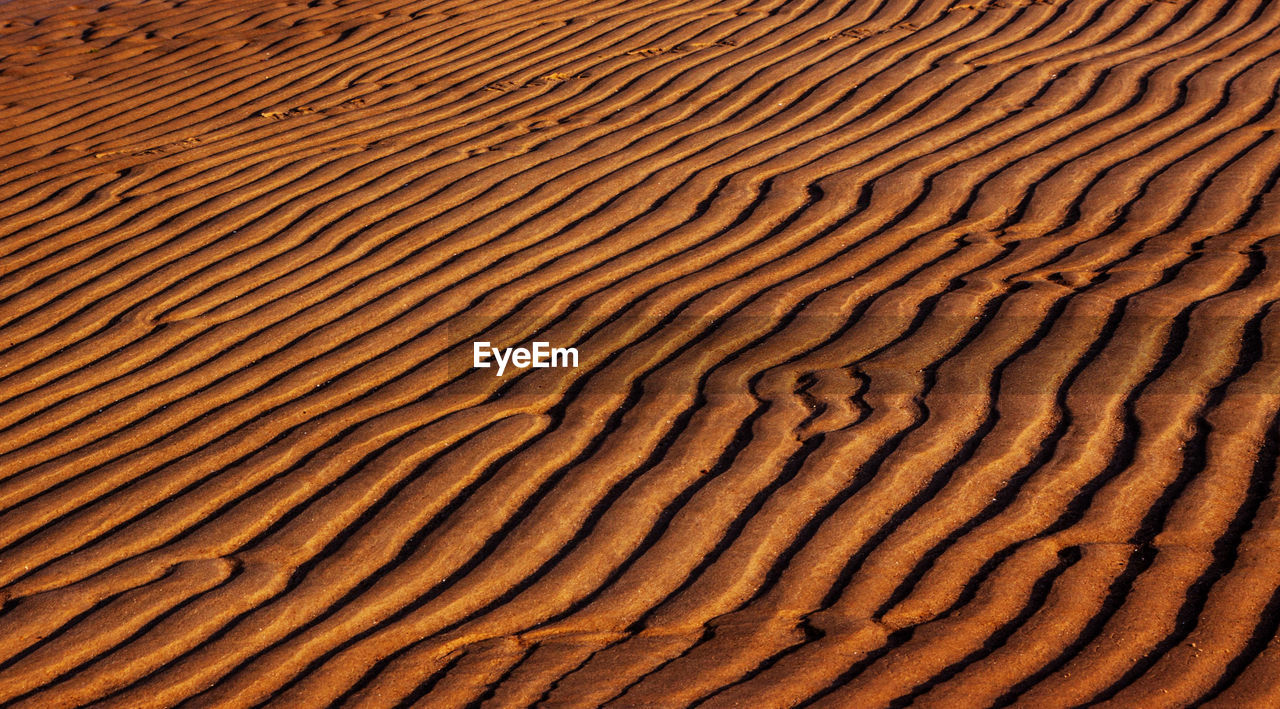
(928, 353)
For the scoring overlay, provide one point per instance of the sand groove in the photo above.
(929, 353)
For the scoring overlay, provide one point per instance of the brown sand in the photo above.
(928, 353)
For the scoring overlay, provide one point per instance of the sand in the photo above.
(928, 353)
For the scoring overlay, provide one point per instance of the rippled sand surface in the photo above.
(929, 353)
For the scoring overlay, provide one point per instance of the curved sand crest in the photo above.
(928, 353)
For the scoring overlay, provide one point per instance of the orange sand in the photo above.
(929, 353)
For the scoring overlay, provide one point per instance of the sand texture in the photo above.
(930, 353)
